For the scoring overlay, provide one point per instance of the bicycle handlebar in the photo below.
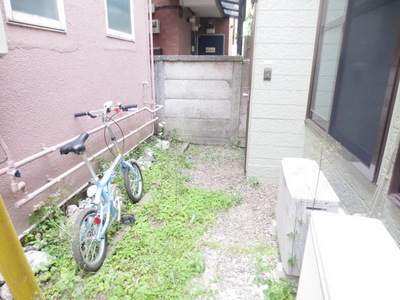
(116, 107)
(81, 114)
(127, 107)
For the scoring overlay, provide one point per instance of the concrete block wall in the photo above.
(284, 40)
(201, 97)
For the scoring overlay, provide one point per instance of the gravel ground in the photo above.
(232, 245)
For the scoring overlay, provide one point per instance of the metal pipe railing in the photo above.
(72, 195)
(29, 196)
(48, 150)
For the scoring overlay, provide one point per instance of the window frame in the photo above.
(394, 187)
(32, 20)
(120, 34)
(322, 28)
(370, 172)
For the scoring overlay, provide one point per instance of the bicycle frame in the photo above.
(102, 198)
(105, 204)
(89, 236)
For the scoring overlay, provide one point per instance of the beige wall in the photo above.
(284, 40)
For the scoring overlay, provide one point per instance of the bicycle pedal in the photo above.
(128, 219)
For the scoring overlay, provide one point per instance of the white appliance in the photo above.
(156, 26)
(348, 258)
(302, 189)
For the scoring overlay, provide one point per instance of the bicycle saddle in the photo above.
(76, 146)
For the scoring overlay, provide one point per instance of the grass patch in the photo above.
(262, 249)
(224, 154)
(159, 254)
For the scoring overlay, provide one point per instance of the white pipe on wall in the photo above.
(29, 196)
(40, 190)
(80, 189)
(58, 146)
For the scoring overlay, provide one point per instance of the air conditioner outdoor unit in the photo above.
(303, 188)
(156, 26)
(348, 257)
(3, 40)
(195, 23)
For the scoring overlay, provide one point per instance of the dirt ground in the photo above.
(232, 245)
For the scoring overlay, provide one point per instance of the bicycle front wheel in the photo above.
(133, 182)
(88, 252)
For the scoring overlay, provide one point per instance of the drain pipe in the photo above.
(47, 150)
(14, 173)
(11, 170)
(63, 202)
(32, 195)
(151, 67)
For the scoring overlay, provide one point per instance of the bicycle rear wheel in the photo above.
(133, 181)
(88, 252)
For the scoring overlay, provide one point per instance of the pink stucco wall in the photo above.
(47, 76)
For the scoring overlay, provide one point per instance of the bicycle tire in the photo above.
(133, 182)
(88, 253)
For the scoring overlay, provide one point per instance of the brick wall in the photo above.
(185, 29)
(175, 30)
(168, 38)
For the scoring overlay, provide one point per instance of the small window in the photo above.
(42, 13)
(120, 19)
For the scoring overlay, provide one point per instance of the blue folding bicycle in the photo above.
(89, 235)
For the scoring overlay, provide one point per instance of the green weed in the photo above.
(281, 289)
(158, 255)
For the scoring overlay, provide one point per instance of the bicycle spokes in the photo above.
(133, 181)
(89, 248)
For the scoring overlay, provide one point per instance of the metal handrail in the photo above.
(48, 150)
(29, 196)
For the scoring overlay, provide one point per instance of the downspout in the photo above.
(152, 80)
(12, 171)
(251, 57)
(241, 18)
